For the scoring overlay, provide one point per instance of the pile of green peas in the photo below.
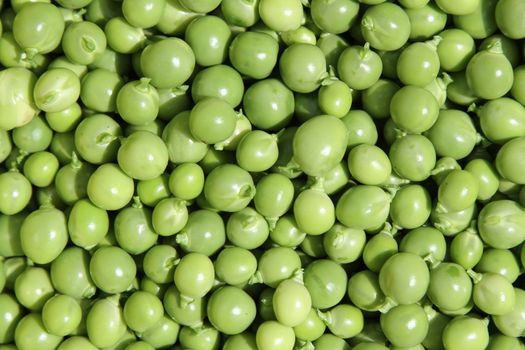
(262, 174)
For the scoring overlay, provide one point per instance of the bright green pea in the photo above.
(240, 13)
(235, 265)
(344, 245)
(65, 120)
(302, 67)
(169, 216)
(405, 325)
(326, 282)
(10, 244)
(209, 37)
(38, 27)
(99, 90)
(450, 287)
(110, 195)
(83, 42)
(486, 175)
(274, 195)
(330, 341)
(105, 323)
(507, 18)
(404, 277)
(185, 312)
(512, 324)
(138, 102)
(359, 67)
(168, 62)
(254, 54)
(364, 291)
(360, 128)
(312, 247)
(247, 228)
(71, 180)
(281, 16)
(143, 13)
(376, 99)
(413, 157)
(319, 144)
(465, 332)
(56, 90)
(314, 212)
(112, 269)
(335, 99)
(40, 168)
(183, 147)
(212, 120)
(142, 311)
(344, 320)
(285, 232)
(499, 341)
(44, 235)
(414, 109)
(143, 155)
(334, 17)
(15, 192)
(61, 315)
(205, 338)
(363, 207)
(385, 26)
(194, 275)
(509, 166)
(426, 21)
(416, 198)
(517, 91)
(276, 265)
(369, 164)
(275, 336)
(466, 249)
(451, 222)
(497, 77)
(418, 64)
(30, 333)
(291, 303)
(70, 273)
(231, 310)
(458, 190)
(33, 288)
(87, 224)
(229, 188)
(134, 230)
(219, 81)
(11, 312)
(378, 250)
(500, 261)
(122, 36)
(257, 151)
(203, 233)
(311, 329)
(499, 224)
(34, 136)
(425, 241)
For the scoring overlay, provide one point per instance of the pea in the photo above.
(112, 269)
(507, 13)
(386, 15)
(33, 288)
(243, 14)
(11, 312)
(413, 157)
(481, 23)
(378, 250)
(364, 291)
(205, 338)
(194, 275)
(360, 128)
(425, 241)
(415, 197)
(417, 116)
(281, 16)
(231, 310)
(354, 211)
(330, 341)
(273, 335)
(359, 67)
(40, 168)
(302, 67)
(87, 224)
(209, 38)
(70, 273)
(61, 315)
(184, 312)
(34, 136)
(500, 218)
(182, 146)
(426, 21)
(344, 245)
(31, 332)
(512, 323)
(500, 261)
(405, 325)
(326, 282)
(465, 331)
(105, 323)
(229, 188)
(314, 212)
(312, 328)
(344, 320)
(15, 191)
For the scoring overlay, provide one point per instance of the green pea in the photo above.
(231, 310)
(194, 275)
(424, 241)
(314, 212)
(112, 269)
(302, 67)
(240, 13)
(183, 147)
(44, 235)
(499, 341)
(61, 315)
(360, 128)
(247, 228)
(281, 16)
(11, 313)
(413, 157)
(142, 311)
(359, 67)
(33, 288)
(10, 244)
(466, 249)
(344, 320)
(501, 261)
(377, 18)
(38, 27)
(209, 38)
(15, 192)
(229, 188)
(425, 21)
(205, 338)
(273, 335)
(378, 250)
(405, 325)
(105, 323)
(99, 90)
(414, 109)
(326, 282)
(143, 155)
(276, 265)
(512, 324)
(344, 245)
(175, 18)
(30, 333)
(363, 207)
(311, 329)
(87, 224)
(34, 136)
(404, 277)
(507, 19)
(71, 180)
(320, 144)
(450, 287)
(481, 23)
(369, 164)
(70, 273)
(517, 91)
(376, 99)
(464, 332)
(499, 224)
(364, 291)
(66, 119)
(235, 265)
(168, 62)
(110, 195)
(83, 42)
(134, 230)
(182, 311)
(330, 341)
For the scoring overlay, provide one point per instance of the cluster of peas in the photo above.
(262, 174)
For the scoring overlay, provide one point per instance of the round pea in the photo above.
(231, 310)
(61, 315)
(112, 269)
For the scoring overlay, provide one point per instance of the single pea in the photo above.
(275, 336)
(99, 90)
(239, 13)
(134, 230)
(112, 269)
(221, 81)
(70, 273)
(344, 245)
(229, 188)
(418, 64)
(235, 265)
(426, 241)
(71, 180)
(276, 265)
(405, 325)
(61, 315)
(501, 261)
(302, 67)
(56, 89)
(364, 291)
(354, 207)
(378, 18)
(369, 164)
(281, 16)
(466, 249)
(311, 329)
(465, 332)
(344, 320)
(426, 21)
(413, 157)
(66, 119)
(151, 192)
(487, 176)
(330, 341)
(194, 275)
(359, 67)
(326, 282)
(415, 197)
(378, 250)
(142, 311)
(231, 310)
(83, 42)
(33, 288)
(11, 313)
(185, 312)
(15, 192)
(109, 187)
(512, 324)
(209, 38)
(205, 338)
(507, 18)
(105, 323)
(414, 109)
(247, 228)
(183, 147)
(458, 191)
(34, 136)
(499, 224)
(87, 224)
(314, 212)
(376, 99)
(30, 333)
(455, 49)
(360, 128)
(450, 286)
(481, 23)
